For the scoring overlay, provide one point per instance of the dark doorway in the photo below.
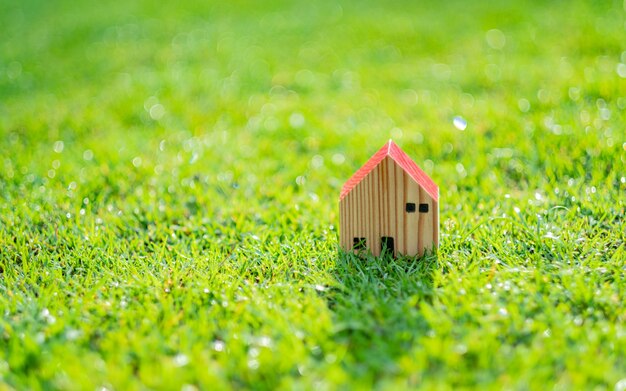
(386, 245)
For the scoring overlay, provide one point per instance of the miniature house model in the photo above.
(389, 204)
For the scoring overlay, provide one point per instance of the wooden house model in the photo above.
(389, 204)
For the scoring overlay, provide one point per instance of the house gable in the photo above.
(392, 150)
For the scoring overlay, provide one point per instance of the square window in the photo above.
(423, 208)
(359, 243)
(410, 207)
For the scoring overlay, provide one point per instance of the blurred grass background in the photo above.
(170, 176)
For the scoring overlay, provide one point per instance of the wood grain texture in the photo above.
(375, 207)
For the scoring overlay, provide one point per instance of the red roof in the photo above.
(392, 150)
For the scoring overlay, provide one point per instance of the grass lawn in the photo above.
(170, 175)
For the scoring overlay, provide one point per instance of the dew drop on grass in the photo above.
(317, 161)
(605, 113)
(265, 341)
(88, 155)
(157, 112)
(219, 346)
(523, 105)
(58, 146)
(72, 334)
(339, 158)
(503, 312)
(460, 349)
(460, 123)
(296, 120)
(550, 235)
(253, 364)
(621, 385)
(621, 70)
(495, 39)
(47, 316)
(460, 169)
(180, 360)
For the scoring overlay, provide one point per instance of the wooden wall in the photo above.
(376, 208)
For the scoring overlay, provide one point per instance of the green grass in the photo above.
(169, 182)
